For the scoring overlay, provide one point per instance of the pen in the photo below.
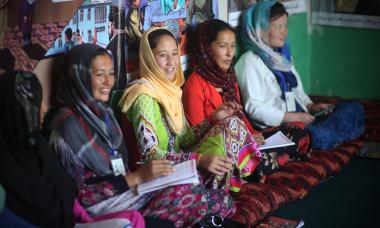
(142, 163)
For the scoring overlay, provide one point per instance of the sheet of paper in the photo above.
(185, 173)
(276, 140)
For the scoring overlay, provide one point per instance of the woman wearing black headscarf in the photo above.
(37, 188)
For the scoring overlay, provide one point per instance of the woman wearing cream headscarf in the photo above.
(154, 108)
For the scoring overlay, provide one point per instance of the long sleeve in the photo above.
(260, 92)
(92, 188)
(200, 99)
(154, 138)
(194, 134)
(194, 100)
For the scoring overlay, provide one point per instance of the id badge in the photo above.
(290, 102)
(117, 165)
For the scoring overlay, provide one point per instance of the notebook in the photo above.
(276, 140)
(185, 173)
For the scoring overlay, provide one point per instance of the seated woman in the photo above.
(214, 82)
(154, 108)
(89, 143)
(38, 191)
(271, 88)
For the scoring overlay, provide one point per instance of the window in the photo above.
(81, 15)
(75, 19)
(100, 29)
(89, 36)
(100, 14)
(89, 14)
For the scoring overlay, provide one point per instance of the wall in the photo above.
(336, 61)
(345, 62)
(300, 47)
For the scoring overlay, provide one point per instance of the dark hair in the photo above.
(214, 27)
(155, 36)
(277, 11)
(116, 16)
(69, 33)
(100, 52)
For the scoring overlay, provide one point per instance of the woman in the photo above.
(214, 82)
(90, 145)
(271, 89)
(37, 189)
(79, 37)
(154, 108)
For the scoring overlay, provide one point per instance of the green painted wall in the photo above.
(336, 61)
(300, 47)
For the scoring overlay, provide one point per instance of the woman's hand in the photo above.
(314, 108)
(259, 138)
(214, 164)
(303, 117)
(149, 171)
(226, 110)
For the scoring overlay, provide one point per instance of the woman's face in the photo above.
(167, 56)
(135, 3)
(278, 31)
(102, 77)
(223, 49)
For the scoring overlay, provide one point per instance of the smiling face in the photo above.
(223, 49)
(167, 56)
(102, 77)
(278, 31)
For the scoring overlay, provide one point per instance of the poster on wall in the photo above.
(48, 28)
(28, 29)
(235, 8)
(347, 13)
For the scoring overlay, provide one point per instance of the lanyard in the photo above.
(113, 151)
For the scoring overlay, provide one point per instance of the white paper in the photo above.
(276, 140)
(185, 173)
(109, 223)
(295, 6)
(345, 20)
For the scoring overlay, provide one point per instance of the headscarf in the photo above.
(154, 83)
(37, 188)
(87, 126)
(208, 69)
(253, 34)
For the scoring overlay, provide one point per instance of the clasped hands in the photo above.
(227, 109)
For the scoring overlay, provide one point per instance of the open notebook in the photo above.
(185, 173)
(276, 140)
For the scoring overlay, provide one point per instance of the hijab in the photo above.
(86, 125)
(37, 188)
(153, 82)
(253, 34)
(208, 69)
